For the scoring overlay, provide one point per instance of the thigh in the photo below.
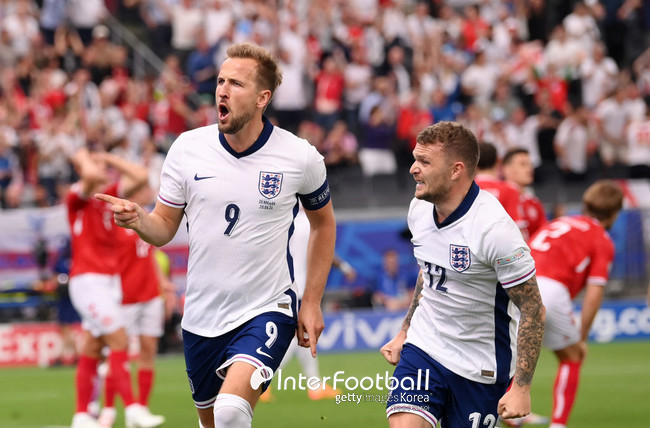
(203, 355)
(417, 388)
(97, 299)
(425, 388)
(473, 404)
(261, 343)
(560, 328)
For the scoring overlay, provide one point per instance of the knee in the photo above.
(232, 411)
(226, 416)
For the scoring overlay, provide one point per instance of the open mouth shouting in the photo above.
(223, 111)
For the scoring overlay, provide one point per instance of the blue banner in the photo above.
(621, 320)
(359, 330)
(365, 330)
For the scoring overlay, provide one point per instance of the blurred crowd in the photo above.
(567, 80)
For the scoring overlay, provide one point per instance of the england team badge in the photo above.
(270, 184)
(459, 257)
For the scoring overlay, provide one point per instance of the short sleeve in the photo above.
(314, 191)
(601, 262)
(505, 250)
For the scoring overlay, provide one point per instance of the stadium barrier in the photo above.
(38, 344)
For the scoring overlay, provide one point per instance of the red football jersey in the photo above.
(506, 193)
(92, 231)
(137, 269)
(534, 215)
(573, 250)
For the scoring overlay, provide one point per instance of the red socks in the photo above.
(564, 391)
(145, 382)
(109, 386)
(118, 363)
(86, 372)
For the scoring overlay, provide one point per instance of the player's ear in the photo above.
(264, 98)
(457, 170)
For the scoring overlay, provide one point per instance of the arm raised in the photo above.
(157, 227)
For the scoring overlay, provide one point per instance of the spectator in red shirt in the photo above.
(328, 97)
(488, 178)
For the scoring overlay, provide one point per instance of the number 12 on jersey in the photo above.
(437, 270)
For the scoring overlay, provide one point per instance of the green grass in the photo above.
(614, 392)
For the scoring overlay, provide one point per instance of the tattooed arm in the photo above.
(417, 293)
(516, 402)
(392, 349)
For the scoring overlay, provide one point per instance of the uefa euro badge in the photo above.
(459, 257)
(270, 184)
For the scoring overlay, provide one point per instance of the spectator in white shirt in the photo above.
(612, 119)
(598, 74)
(574, 144)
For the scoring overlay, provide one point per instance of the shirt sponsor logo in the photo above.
(511, 258)
(270, 184)
(459, 257)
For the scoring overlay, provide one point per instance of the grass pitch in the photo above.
(614, 392)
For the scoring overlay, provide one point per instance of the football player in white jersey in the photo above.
(460, 359)
(238, 183)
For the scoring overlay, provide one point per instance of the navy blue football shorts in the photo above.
(260, 342)
(425, 388)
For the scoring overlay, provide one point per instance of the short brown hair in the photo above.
(514, 152)
(458, 143)
(269, 75)
(602, 200)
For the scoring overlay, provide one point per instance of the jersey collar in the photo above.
(258, 144)
(462, 209)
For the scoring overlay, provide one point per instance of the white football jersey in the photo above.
(465, 319)
(240, 208)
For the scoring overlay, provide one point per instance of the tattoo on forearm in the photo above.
(531, 329)
(417, 293)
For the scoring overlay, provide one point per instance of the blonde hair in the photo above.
(602, 200)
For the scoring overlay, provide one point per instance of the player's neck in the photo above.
(246, 136)
(455, 197)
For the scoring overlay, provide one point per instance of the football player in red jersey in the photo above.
(488, 178)
(573, 253)
(94, 285)
(518, 170)
(143, 310)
